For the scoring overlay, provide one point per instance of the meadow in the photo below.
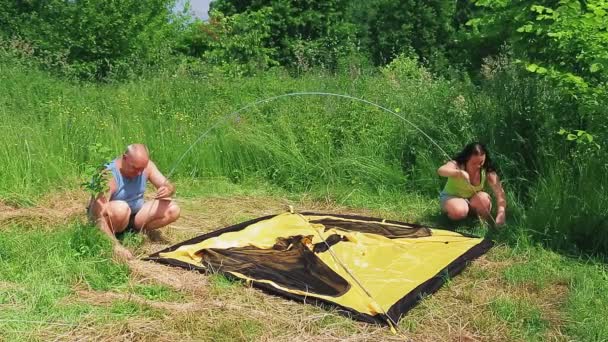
(545, 280)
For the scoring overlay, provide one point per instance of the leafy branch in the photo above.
(97, 176)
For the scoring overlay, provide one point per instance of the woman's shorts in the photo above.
(443, 197)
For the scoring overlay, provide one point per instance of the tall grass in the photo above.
(569, 207)
(294, 142)
(314, 143)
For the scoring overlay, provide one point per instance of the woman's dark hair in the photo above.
(475, 148)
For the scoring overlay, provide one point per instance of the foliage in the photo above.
(579, 136)
(420, 28)
(237, 45)
(96, 174)
(568, 209)
(301, 32)
(572, 189)
(92, 39)
(330, 146)
(322, 144)
(560, 44)
(312, 34)
(537, 98)
(564, 40)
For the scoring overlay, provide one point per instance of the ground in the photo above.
(160, 303)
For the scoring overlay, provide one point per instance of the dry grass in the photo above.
(211, 310)
(228, 313)
(190, 283)
(51, 211)
(461, 311)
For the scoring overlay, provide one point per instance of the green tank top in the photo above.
(460, 188)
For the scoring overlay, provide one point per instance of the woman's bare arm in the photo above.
(501, 199)
(451, 169)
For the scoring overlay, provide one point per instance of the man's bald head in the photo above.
(135, 160)
(138, 152)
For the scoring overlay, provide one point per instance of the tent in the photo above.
(373, 269)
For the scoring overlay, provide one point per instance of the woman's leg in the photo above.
(481, 203)
(456, 208)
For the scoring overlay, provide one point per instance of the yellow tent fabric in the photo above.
(376, 267)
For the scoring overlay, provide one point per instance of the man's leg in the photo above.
(112, 216)
(156, 214)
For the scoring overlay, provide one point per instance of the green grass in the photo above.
(331, 147)
(220, 282)
(585, 281)
(40, 269)
(523, 318)
(588, 297)
(131, 239)
(224, 187)
(324, 148)
(125, 309)
(157, 292)
(238, 330)
(296, 143)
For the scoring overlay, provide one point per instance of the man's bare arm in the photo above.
(100, 214)
(165, 189)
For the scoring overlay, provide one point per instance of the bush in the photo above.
(93, 40)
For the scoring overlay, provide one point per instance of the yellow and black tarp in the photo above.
(368, 266)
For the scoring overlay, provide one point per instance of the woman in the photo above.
(463, 193)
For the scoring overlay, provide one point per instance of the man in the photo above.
(124, 207)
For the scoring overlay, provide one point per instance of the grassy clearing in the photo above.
(347, 151)
(315, 153)
(68, 288)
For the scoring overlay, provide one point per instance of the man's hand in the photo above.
(105, 212)
(122, 254)
(164, 192)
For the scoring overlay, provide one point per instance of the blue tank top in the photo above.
(130, 190)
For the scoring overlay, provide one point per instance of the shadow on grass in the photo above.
(470, 225)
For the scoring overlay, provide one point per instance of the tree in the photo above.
(300, 27)
(92, 38)
(235, 44)
(421, 27)
(564, 40)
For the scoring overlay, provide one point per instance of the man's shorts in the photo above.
(131, 224)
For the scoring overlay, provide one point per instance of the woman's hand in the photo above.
(500, 217)
(465, 175)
